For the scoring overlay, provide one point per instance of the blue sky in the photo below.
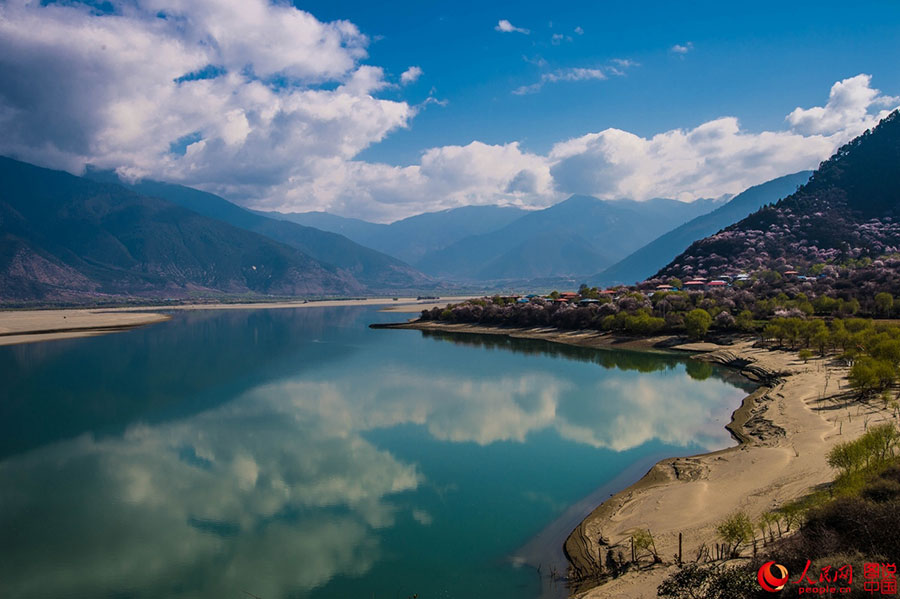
(757, 61)
(380, 111)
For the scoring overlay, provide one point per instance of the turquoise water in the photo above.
(298, 453)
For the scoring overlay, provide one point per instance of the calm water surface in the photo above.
(297, 453)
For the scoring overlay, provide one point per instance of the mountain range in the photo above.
(412, 238)
(656, 254)
(374, 270)
(575, 237)
(67, 238)
(494, 243)
(848, 213)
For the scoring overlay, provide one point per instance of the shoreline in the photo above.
(33, 326)
(784, 430)
(50, 324)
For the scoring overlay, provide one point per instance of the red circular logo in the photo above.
(772, 577)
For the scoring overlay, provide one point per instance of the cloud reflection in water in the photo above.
(280, 491)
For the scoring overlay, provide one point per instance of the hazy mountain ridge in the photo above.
(850, 209)
(572, 238)
(411, 238)
(375, 270)
(656, 254)
(68, 238)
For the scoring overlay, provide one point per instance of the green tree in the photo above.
(736, 530)
(644, 543)
(847, 457)
(770, 276)
(850, 308)
(862, 376)
(809, 329)
(884, 303)
(643, 324)
(697, 322)
(744, 320)
(821, 341)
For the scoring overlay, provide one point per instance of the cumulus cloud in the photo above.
(445, 177)
(410, 75)
(682, 49)
(270, 107)
(244, 80)
(848, 108)
(579, 31)
(716, 157)
(506, 27)
(685, 164)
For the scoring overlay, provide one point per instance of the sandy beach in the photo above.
(785, 429)
(31, 326)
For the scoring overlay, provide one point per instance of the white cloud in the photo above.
(579, 31)
(847, 108)
(716, 157)
(537, 60)
(711, 159)
(506, 27)
(445, 177)
(410, 75)
(270, 107)
(682, 49)
(625, 63)
(574, 74)
(243, 76)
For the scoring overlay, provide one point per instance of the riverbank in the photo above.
(785, 430)
(32, 326)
